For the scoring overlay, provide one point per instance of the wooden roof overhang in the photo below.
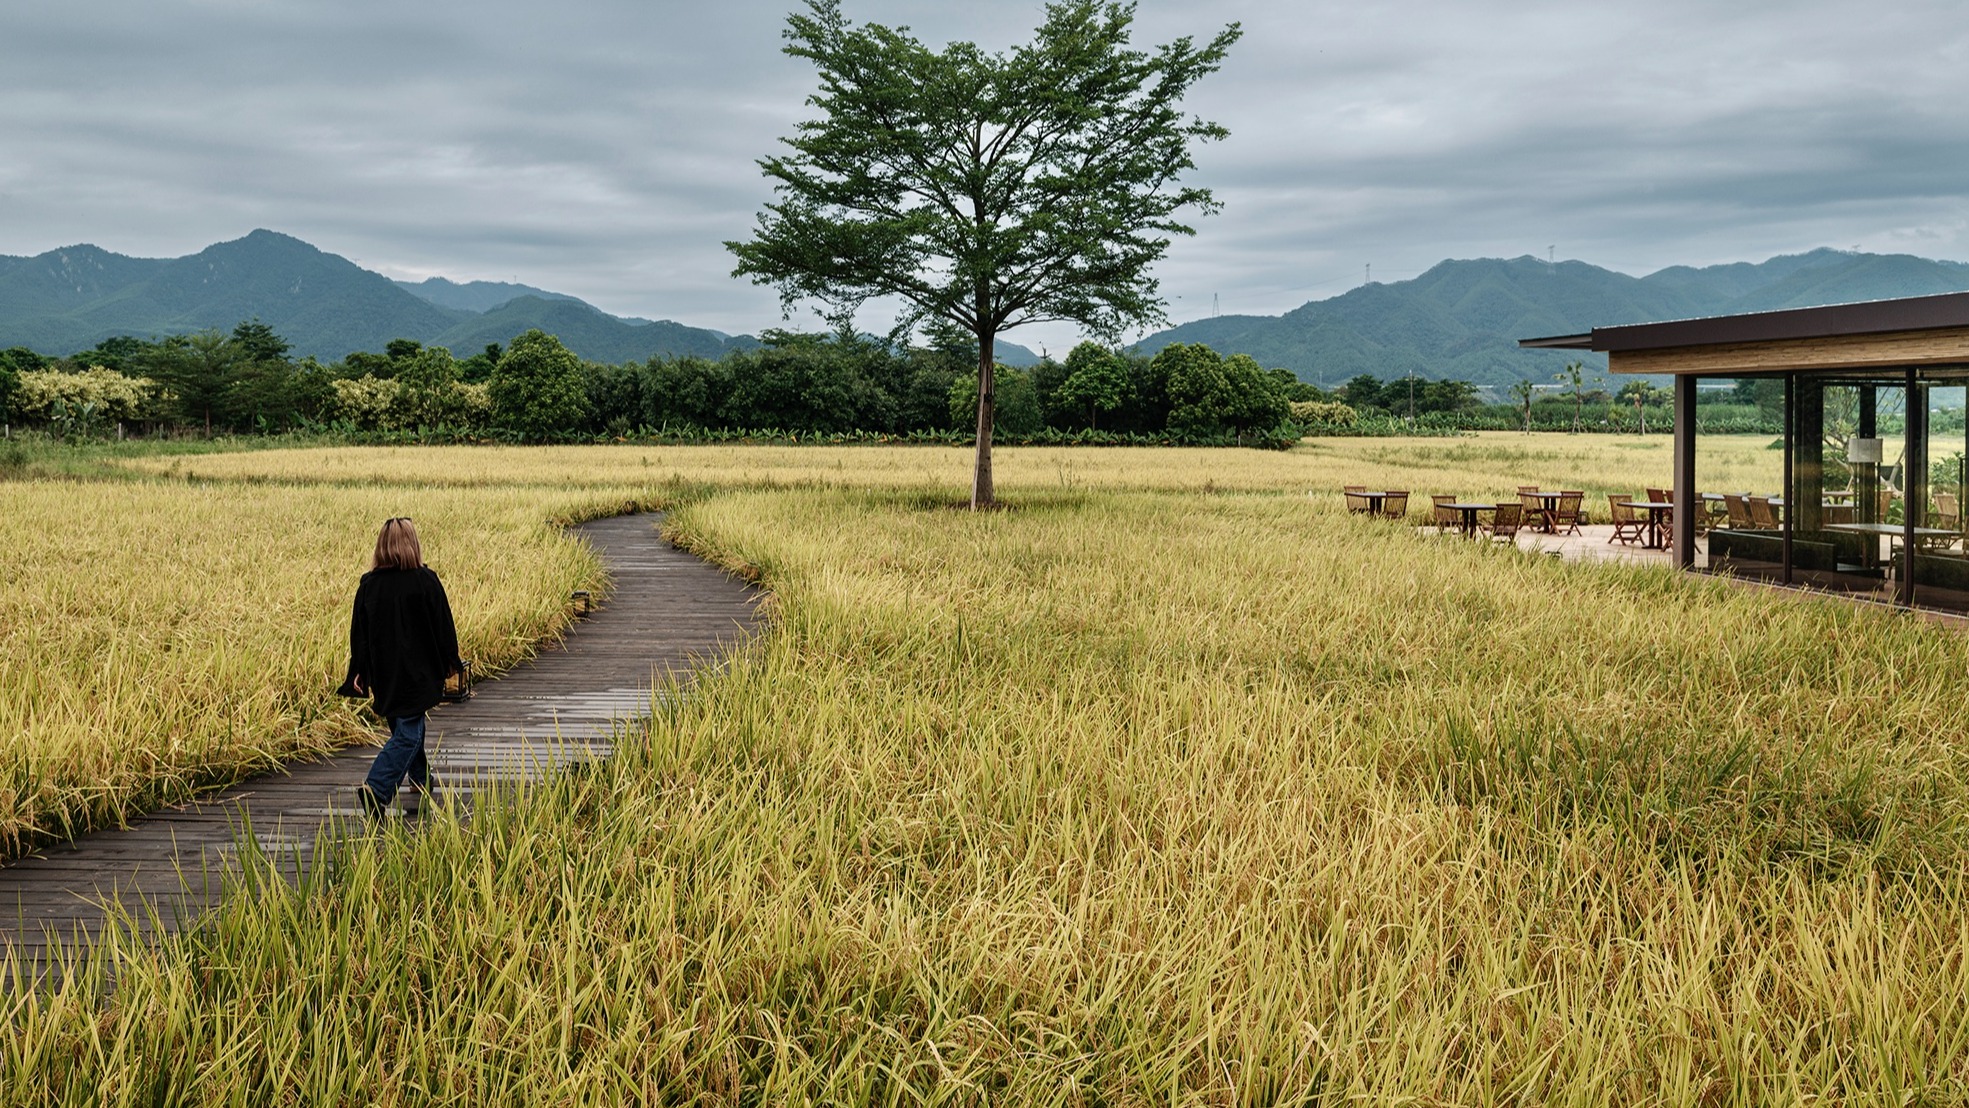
(1912, 332)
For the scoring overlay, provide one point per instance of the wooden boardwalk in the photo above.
(668, 612)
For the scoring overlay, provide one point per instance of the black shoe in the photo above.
(372, 805)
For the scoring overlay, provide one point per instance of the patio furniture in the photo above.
(1505, 522)
(1944, 518)
(1948, 511)
(1394, 504)
(1628, 524)
(1762, 515)
(1660, 512)
(1538, 508)
(1708, 511)
(1893, 532)
(1444, 516)
(1739, 511)
(1466, 512)
(1565, 518)
(1358, 500)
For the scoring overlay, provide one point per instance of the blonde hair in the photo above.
(397, 546)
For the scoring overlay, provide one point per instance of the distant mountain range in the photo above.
(1463, 319)
(326, 306)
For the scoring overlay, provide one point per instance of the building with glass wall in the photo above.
(1870, 399)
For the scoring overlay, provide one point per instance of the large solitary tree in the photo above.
(989, 190)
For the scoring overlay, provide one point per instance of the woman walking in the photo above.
(402, 644)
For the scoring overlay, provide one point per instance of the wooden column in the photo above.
(1805, 492)
(1788, 488)
(1914, 481)
(1685, 471)
(1866, 475)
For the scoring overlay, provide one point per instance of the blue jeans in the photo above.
(402, 756)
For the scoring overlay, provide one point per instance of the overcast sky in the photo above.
(606, 148)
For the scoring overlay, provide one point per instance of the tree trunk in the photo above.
(981, 493)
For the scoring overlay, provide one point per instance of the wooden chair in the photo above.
(1709, 514)
(1533, 513)
(1944, 517)
(1739, 509)
(1565, 519)
(1395, 504)
(1505, 522)
(1444, 518)
(1948, 511)
(1839, 513)
(1357, 500)
(1660, 496)
(1762, 516)
(1629, 525)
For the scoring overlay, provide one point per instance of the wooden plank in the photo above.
(1948, 346)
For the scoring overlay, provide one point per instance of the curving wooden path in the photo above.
(668, 612)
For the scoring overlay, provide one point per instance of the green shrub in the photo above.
(1324, 413)
(96, 397)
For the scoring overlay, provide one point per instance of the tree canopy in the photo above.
(988, 190)
(1096, 379)
(537, 386)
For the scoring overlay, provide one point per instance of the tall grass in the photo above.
(1141, 798)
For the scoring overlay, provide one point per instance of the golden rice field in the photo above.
(1170, 786)
(1487, 464)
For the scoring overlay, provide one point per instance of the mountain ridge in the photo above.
(1462, 318)
(73, 297)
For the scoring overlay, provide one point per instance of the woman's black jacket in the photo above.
(402, 642)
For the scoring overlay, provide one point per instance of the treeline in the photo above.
(793, 385)
(1573, 402)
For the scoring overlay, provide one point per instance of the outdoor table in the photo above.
(1470, 511)
(1890, 530)
(1776, 501)
(1374, 500)
(1658, 510)
(1548, 509)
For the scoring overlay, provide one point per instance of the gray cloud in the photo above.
(607, 148)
